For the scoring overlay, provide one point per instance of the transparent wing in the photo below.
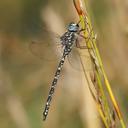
(75, 60)
(46, 46)
(80, 51)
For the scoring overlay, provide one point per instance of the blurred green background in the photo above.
(25, 79)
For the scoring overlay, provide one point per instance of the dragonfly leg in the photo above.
(89, 37)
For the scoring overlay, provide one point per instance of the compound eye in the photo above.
(73, 27)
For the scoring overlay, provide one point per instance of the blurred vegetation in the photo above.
(25, 79)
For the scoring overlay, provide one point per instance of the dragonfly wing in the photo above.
(79, 51)
(46, 46)
(74, 59)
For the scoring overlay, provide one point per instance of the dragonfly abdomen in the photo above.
(54, 82)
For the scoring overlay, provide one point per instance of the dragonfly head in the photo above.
(73, 27)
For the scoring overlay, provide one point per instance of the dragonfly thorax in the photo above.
(68, 39)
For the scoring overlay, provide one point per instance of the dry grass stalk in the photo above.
(98, 77)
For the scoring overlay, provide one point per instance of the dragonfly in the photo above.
(67, 40)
